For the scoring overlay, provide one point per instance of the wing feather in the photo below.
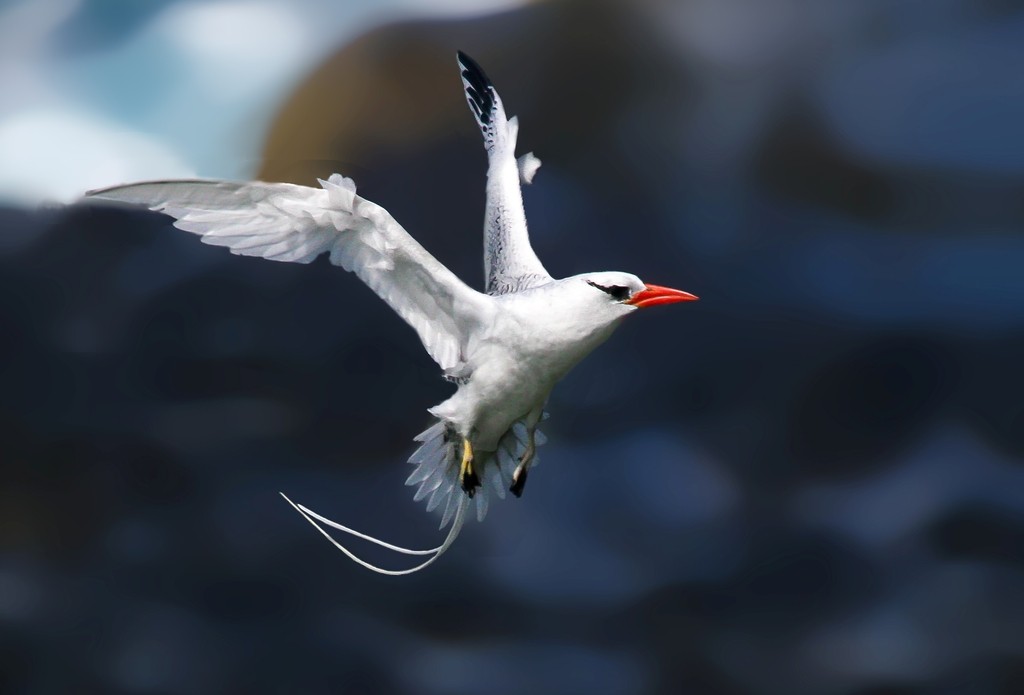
(510, 263)
(296, 224)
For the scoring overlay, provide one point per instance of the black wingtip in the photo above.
(479, 90)
(468, 63)
(472, 71)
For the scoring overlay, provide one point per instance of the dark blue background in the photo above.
(808, 482)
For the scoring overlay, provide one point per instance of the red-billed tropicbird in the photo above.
(505, 349)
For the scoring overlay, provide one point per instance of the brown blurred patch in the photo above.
(367, 96)
(396, 89)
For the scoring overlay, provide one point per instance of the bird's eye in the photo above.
(618, 292)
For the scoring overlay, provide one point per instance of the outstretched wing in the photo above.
(285, 222)
(510, 263)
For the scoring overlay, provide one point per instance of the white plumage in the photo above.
(505, 349)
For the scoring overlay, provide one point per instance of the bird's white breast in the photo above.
(533, 342)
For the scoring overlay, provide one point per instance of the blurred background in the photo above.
(809, 482)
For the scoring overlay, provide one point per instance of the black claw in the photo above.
(470, 482)
(518, 482)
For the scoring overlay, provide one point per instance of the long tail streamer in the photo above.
(453, 533)
(436, 474)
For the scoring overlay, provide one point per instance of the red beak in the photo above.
(653, 295)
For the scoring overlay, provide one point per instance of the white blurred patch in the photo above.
(22, 50)
(192, 90)
(237, 48)
(34, 21)
(55, 156)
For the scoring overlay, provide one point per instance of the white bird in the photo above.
(505, 349)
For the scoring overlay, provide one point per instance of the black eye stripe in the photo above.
(617, 291)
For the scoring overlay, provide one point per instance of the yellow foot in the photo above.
(470, 480)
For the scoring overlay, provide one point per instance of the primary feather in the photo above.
(286, 222)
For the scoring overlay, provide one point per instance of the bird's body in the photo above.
(535, 338)
(505, 349)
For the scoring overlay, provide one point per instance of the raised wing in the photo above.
(510, 264)
(285, 222)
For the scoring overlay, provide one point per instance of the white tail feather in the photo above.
(436, 472)
(437, 475)
(437, 552)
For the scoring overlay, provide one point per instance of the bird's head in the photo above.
(618, 294)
